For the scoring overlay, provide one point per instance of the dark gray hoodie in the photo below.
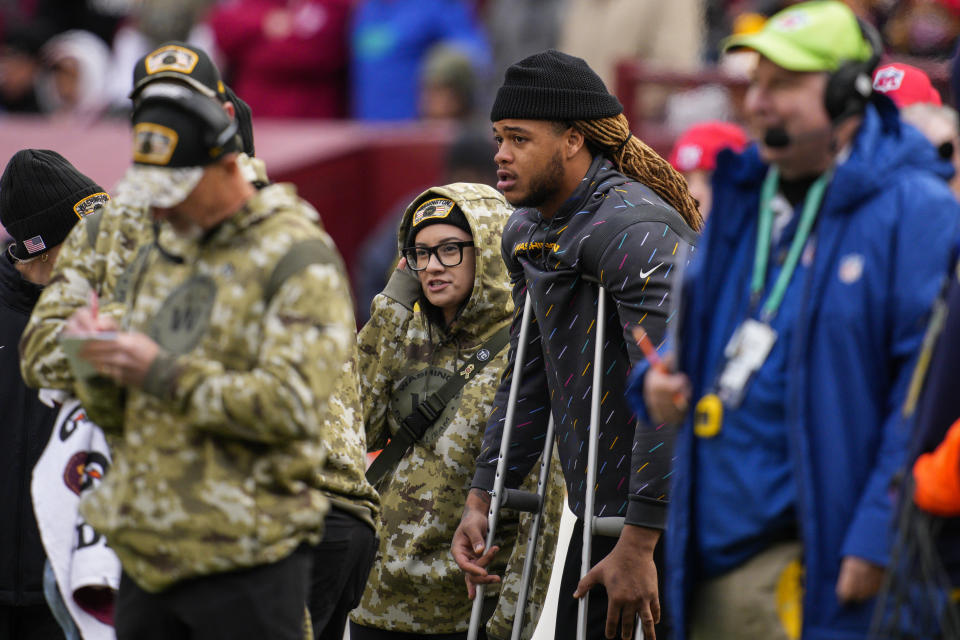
(621, 233)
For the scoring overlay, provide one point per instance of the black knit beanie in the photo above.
(436, 211)
(553, 86)
(42, 196)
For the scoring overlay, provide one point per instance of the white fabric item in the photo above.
(92, 56)
(73, 463)
(53, 398)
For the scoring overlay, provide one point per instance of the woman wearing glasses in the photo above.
(444, 315)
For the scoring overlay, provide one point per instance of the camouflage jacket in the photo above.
(219, 464)
(415, 586)
(101, 254)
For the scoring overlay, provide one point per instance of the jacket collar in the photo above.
(260, 206)
(600, 176)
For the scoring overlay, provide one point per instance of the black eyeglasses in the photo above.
(450, 254)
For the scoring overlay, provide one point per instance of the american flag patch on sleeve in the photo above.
(34, 244)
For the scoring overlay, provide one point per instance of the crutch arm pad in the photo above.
(646, 512)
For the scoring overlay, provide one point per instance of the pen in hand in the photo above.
(649, 351)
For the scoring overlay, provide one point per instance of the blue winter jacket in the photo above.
(882, 243)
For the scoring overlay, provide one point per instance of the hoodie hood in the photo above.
(487, 212)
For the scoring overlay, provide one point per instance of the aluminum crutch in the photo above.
(609, 526)
(513, 498)
(533, 539)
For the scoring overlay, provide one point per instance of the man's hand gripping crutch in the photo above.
(628, 573)
(473, 547)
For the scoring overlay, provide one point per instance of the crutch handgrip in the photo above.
(518, 500)
(609, 527)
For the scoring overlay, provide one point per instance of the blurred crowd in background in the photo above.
(390, 60)
(400, 61)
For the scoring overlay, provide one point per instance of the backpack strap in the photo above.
(426, 413)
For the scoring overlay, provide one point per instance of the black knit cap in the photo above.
(175, 60)
(42, 196)
(553, 85)
(436, 210)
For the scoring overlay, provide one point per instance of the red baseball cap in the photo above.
(905, 85)
(698, 146)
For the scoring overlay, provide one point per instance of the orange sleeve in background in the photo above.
(937, 476)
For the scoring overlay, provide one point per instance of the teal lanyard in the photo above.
(811, 206)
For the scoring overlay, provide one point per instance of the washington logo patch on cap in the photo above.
(888, 79)
(171, 58)
(435, 208)
(153, 143)
(90, 204)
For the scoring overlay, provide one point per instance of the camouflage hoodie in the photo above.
(219, 464)
(102, 254)
(415, 586)
(97, 255)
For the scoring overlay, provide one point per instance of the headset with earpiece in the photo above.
(220, 132)
(851, 85)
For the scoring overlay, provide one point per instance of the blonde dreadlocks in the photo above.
(636, 160)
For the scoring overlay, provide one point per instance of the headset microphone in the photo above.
(776, 138)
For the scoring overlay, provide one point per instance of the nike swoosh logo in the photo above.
(647, 274)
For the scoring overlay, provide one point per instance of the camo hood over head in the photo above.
(483, 207)
(415, 586)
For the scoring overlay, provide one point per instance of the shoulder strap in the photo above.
(299, 257)
(426, 413)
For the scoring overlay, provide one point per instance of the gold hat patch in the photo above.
(434, 208)
(153, 143)
(171, 58)
(90, 204)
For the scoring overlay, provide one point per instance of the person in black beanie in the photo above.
(42, 196)
(593, 204)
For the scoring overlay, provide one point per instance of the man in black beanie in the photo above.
(42, 196)
(594, 204)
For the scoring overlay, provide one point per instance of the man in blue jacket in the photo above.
(804, 312)
(594, 204)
